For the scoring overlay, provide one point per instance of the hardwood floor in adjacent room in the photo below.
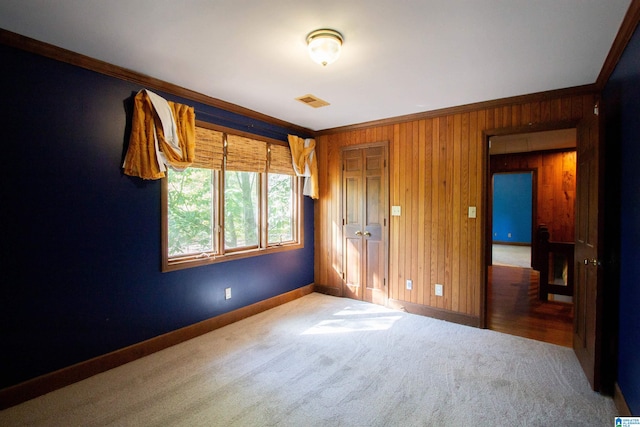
(514, 307)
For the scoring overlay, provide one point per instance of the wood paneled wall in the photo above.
(438, 168)
(556, 187)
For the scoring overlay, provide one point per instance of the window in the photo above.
(281, 216)
(191, 219)
(240, 198)
(241, 209)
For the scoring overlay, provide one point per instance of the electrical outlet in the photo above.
(438, 290)
(227, 293)
(409, 284)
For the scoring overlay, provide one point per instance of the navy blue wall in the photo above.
(621, 108)
(512, 205)
(80, 243)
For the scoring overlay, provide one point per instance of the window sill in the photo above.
(197, 261)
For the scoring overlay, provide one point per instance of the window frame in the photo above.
(221, 254)
(296, 187)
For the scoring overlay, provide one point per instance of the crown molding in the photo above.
(18, 41)
(484, 105)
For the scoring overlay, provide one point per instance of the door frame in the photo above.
(387, 225)
(487, 225)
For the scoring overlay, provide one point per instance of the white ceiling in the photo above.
(399, 56)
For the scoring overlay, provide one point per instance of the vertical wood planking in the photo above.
(456, 234)
(477, 275)
(421, 214)
(395, 232)
(568, 190)
(449, 215)
(436, 170)
(464, 209)
(336, 255)
(476, 160)
(402, 201)
(441, 223)
(428, 197)
(415, 208)
(406, 209)
(437, 256)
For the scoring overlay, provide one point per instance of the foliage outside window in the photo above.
(240, 198)
(191, 219)
(240, 209)
(281, 217)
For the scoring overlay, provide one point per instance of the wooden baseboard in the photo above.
(35, 387)
(437, 313)
(621, 403)
(328, 290)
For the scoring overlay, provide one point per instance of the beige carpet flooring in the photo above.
(326, 361)
(511, 255)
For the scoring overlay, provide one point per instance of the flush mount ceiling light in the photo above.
(324, 46)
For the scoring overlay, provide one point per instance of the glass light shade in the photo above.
(324, 46)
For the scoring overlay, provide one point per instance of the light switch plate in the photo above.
(395, 210)
(438, 290)
(472, 211)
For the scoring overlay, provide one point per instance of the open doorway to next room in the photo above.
(532, 195)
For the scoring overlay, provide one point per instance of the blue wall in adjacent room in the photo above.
(621, 108)
(512, 205)
(80, 243)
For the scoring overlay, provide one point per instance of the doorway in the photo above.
(365, 235)
(532, 183)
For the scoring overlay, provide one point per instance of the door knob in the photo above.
(359, 233)
(593, 262)
(366, 233)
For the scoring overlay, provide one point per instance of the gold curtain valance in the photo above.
(305, 163)
(162, 134)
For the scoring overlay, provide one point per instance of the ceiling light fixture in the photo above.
(324, 46)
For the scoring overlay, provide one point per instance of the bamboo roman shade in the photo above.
(209, 149)
(245, 154)
(280, 160)
(242, 154)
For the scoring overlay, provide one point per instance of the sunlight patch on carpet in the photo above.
(341, 326)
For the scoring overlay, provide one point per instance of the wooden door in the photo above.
(588, 309)
(364, 213)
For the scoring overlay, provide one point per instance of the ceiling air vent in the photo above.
(312, 101)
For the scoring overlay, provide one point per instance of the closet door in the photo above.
(365, 229)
